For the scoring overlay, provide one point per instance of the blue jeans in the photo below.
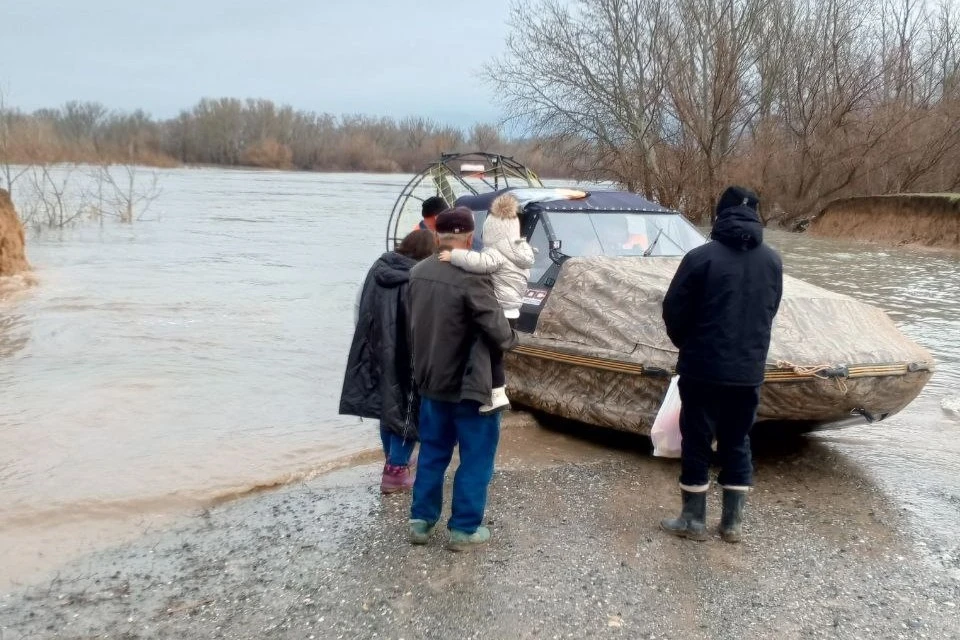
(443, 426)
(396, 449)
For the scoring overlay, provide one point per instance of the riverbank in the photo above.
(13, 259)
(576, 553)
(916, 219)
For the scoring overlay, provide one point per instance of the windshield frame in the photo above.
(559, 256)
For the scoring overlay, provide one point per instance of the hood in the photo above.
(496, 229)
(392, 269)
(504, 206)
(735, 196)
(738, 228)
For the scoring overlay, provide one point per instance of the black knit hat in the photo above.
(433, 206)
(456, 220)
(735, 196)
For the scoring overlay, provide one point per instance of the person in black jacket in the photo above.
(378, 382)
(719, 311)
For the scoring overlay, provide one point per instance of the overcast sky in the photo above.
(379, 57)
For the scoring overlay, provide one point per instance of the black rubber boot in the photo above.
(692, 521)
(732, 517)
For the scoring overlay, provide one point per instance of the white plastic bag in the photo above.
(666, 427)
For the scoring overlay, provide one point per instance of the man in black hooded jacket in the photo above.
(719, 311)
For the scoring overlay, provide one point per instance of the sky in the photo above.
(377, 57)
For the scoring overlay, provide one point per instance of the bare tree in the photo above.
(9, 171)
(54, 201)
(945, 69)
(235, 132)
(58, 196)
(590, 76)
(124, 192)
(804, 101)
(485, 137)
(711, 83)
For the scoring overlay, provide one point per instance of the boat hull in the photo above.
(629, 401)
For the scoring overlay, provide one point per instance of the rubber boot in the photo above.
(461, 541)
(420, 531)
(732, 517)
(692, 521)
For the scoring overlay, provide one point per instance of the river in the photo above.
(198, 354)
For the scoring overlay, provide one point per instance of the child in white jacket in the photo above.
(507, 257)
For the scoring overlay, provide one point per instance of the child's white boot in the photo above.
(498, 402)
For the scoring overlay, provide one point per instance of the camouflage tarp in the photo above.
(601, 355)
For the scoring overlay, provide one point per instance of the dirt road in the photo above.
(576, 553)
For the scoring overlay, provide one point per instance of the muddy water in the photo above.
(914, 456)
(194, 355)
(198, 355)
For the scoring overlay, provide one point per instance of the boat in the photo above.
(593, 346)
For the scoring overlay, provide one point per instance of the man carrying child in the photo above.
(455, 322)
(507, 257)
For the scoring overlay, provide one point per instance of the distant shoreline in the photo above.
(250, 168)
(236, 167)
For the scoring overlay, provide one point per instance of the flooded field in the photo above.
(198, 355)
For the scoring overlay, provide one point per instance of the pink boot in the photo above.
(396, 478)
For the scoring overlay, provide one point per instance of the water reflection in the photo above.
(13, 335)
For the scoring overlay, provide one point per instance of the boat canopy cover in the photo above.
(605, 314)
(564, 199)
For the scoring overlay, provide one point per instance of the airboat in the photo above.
(593, 345)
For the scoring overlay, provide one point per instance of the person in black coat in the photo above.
(719, 312)
(378, 383)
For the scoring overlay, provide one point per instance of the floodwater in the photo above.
(198, 354)
(914, 456)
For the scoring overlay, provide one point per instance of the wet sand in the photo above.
(30, 549)
(576, 553)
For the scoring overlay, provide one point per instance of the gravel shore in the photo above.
(576, 553)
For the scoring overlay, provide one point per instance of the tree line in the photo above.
(803, 100)
(255, 133)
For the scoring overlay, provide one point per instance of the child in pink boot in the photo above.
(378, 383)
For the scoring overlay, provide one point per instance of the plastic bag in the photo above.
(666, 427)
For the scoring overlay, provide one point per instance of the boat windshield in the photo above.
(624, 234)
